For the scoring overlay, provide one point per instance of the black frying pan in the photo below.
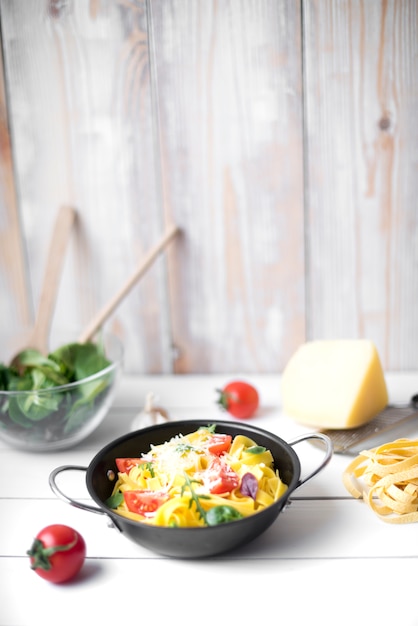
(189, 542)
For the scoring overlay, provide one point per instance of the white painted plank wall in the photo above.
(279, 135)
(228, 82)
(361, 92)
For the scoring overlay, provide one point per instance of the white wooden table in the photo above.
(326, 559)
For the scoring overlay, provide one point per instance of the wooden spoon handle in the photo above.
(61, 233)
(108, 309)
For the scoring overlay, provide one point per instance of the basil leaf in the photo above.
(256, 449)
(37, 406)
(6, 376)
(249, 485)
(222, 514)
(114, 500)
(16, 415)
(34, 358)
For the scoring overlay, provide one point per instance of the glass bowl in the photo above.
(60, 417)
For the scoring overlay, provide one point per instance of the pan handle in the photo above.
(329, 449)
(63, 496)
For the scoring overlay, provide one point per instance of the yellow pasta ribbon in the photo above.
(390, 476)
(187, 456)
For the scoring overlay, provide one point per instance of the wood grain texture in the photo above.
(81, 113)
(361, 98)
(228, 85)
(15, 307)
(279, 136)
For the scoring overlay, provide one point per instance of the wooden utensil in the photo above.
(39, 337)
(108, 309)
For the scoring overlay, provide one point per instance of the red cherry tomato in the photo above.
(57, 553)
(239, 398)
(219, 477)
(218, 444)
(126, 464)
(143, 501)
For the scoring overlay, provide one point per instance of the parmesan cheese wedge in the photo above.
(334, 384)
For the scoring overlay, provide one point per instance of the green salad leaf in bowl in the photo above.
(54, 401)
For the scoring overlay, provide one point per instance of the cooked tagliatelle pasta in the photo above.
(200, 479)
(390, 474)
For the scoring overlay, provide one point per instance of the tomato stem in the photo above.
(41, 556)
(223, 399)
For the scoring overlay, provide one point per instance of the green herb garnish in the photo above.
(256, 449)
(148, 466)
(210, 428)
(221, 514)
(214, 516)
(184, 448)
(114, 500)
(194, 497)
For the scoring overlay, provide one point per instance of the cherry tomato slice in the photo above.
(219, 444)
(126, 464)
(143, 501)
(219, 477)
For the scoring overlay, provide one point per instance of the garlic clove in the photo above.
(150, 414)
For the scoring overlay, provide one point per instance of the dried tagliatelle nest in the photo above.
(389, 474)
